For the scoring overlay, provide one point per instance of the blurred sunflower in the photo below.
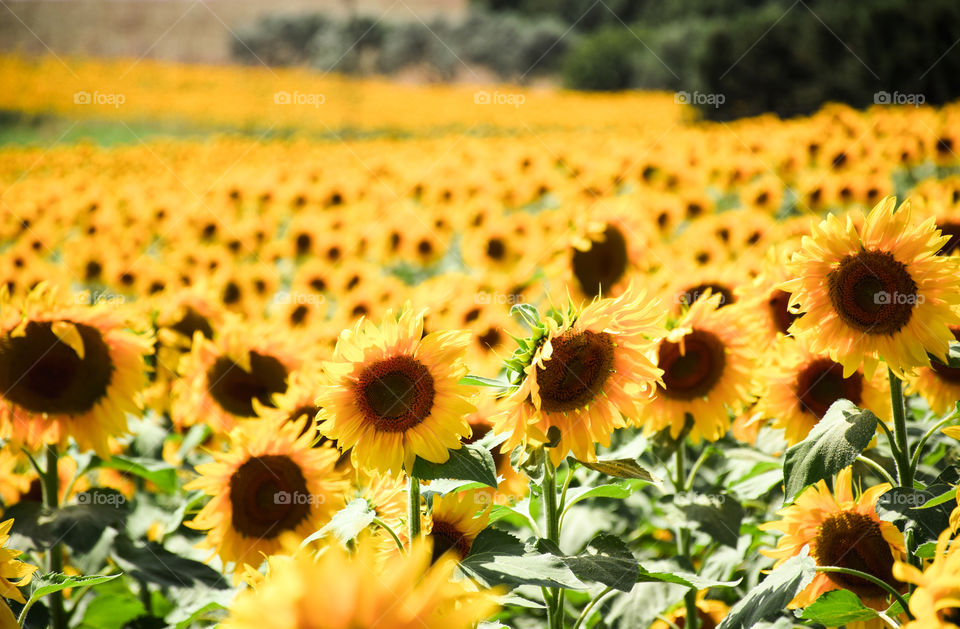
(711, 613)
(800, 387)
(841, 531)
(11, 568)
(395, 393)
(67, 371)
(588, 375)
(877, 293)
(938, 384)
(405, 592)
(455, 521)
(935, 603)
(269, 482)
(707, 369)
(221, 379)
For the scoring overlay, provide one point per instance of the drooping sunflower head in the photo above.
(875, 293)
(394, 394)
(935, 603)
(938, 384)
(842, 531)
(67, 371)
(403, 592)
(707, 366)
(270, 482)
(585, 373)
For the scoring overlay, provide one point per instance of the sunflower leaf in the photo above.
(346, 523)
(160, 473)
(773, 594)
(606, 560)
(469, 462)
(717, 515)
(576, 494)
(472, 380)
(908, 508)
(55, 581)
(833, 444)
(621, 468)
(497, 557)
(837, 608)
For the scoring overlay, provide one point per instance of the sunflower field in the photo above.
(334, 353)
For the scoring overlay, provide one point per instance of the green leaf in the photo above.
(926, 550)
(577, 494)
(686, 579)
(717, 515)
(833, 444)
(153, 563)
(473, 380)
(160, 473)
(346, 523)
(112, 611)
(56, 581)
(469, 462)
(905, 507)
(950, 495)
(528, 313)
(837, 608)
(500, 558)
(607, 560)
(621, 468)
(773, 594)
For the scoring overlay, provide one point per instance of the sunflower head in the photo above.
(394, 393)
(270, 482)
(878, 292)
(456, 520)
(935, 603)
(11, 568)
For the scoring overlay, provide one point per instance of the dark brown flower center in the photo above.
(395, 394)
(706, 620)
(872, 292)
(953, 230)
(694, 373)
(602, 266)
(192, 321)
(779, 309)
(234, 388)
(446, 537)
(577, 370)
(821, 383)
(854, 541)
(692, 294)
(42, 374)
(949, 614)
(268, 495)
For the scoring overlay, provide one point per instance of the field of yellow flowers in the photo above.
(372, 355)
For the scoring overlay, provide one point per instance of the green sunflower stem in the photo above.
(904, 470)
(552, 513)
(413, 508)
(51, 489)
(684, 540)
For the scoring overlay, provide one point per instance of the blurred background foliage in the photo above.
(762, 55)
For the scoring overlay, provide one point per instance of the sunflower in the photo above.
(403, 592)
(877, 293)
(711, 613)
(222, 378)
(67, 371)
(800, 387)
(935, 603)
(587, 376)
(11, 568)
(14, 479)
(395, 396)
(269, 482)
(938, 384)
(707, 369)
(455, 521)
(841, 531)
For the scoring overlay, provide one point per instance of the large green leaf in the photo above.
(606, 560)
(909, 508)
(498, 558)
(347, 523)
(112, 611)
(153, 563)
(620, 468)
(160, 473)
(837, 608)
(55, 581)
(717, 515)
(833, 444)
(469, 462)
(771, 596)
(576, 494)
